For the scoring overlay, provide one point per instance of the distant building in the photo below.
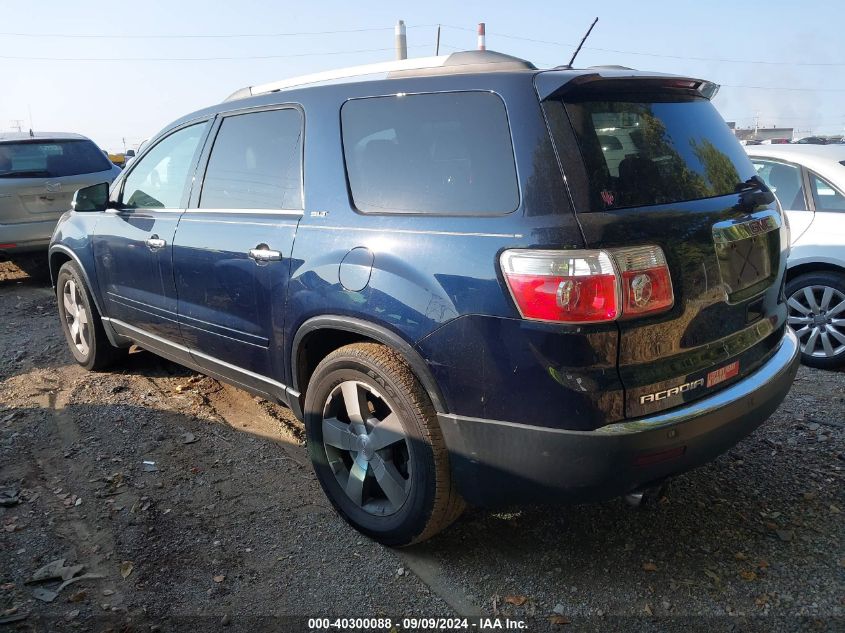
(761, 133)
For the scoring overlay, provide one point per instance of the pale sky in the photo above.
(124, 83)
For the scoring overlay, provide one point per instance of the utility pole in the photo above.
(482, 40)
(401, 41)
(756, 124)
(17, 123)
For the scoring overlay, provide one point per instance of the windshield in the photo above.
(51, 159)
(657, 150)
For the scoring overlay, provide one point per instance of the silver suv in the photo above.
(39, 173)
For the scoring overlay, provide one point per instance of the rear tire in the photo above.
(81, 322)
(816, 304)
(376, 446)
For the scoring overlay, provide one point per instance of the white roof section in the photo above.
(465, 61)
(826, 160)
(40, 136)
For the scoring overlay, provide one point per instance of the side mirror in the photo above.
(93, 198)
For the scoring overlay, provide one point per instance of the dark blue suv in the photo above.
(474, 281)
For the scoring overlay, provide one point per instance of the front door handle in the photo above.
(262, 253)
(154, 243)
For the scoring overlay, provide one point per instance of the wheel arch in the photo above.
(812, 267)
(58, 257)
(319, 336)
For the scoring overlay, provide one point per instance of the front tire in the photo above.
(816, 304)
(376, 446)
(81, 323)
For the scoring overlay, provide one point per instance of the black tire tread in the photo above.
(104, 353)
(448, 503)
(820, 277)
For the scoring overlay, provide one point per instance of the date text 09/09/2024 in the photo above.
(415, 624)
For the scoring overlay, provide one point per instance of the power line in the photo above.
(199, 59)
(661, 55)
(206, 36)
(739, 86)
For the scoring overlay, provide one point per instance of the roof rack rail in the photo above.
(460, 62)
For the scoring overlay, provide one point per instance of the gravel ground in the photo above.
(229, 526)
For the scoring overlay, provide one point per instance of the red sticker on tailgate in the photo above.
(723, 373)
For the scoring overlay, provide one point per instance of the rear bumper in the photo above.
(498, 463)
(26, 236)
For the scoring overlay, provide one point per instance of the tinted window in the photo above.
(256, 162)
(656, 151)
(159, 177)
(827, 198)
(432, 153)
(784, 181)
(51, 159)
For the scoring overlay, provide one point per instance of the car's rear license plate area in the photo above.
(747, 252)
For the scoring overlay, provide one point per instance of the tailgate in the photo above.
(38, 177)
(660, 167)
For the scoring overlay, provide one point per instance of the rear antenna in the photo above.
(583, 39)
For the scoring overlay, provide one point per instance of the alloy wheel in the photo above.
(76, 317)
(817, 314)
(367, 448)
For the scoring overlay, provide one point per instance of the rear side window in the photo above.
(656, 150)
(256, 162)
(785, 181)
(827, 198)
(51, 159)
(445, 153)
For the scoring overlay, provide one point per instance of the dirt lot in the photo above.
(228, 527)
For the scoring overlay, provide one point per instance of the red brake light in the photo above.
(567, 286)
(646, 282)
(588, 286)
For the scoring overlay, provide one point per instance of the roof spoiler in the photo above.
(616, 80)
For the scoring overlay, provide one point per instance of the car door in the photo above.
(828, 232)
(231, 251)
(786, 180)
(133, 241)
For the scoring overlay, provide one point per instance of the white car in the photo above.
(809, 182)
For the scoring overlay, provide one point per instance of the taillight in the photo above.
(569, 286)
(646, 283)
(588, 286)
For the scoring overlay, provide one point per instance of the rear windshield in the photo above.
(51, 159)
(656, 150)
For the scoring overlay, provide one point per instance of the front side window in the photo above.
(826, 197)
(159, 178)
(445, 153)
(655, 149)
(51, 159)
(785, 182)
(256, 162)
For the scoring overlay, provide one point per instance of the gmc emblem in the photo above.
(674, 391)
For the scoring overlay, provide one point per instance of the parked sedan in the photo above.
(809, 181)
(39, 172)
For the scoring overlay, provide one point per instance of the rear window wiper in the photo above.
(755, 183)
(754, 192)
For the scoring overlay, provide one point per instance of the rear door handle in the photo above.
(155, 242)
(262, 253)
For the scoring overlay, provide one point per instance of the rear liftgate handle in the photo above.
(262, 254)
